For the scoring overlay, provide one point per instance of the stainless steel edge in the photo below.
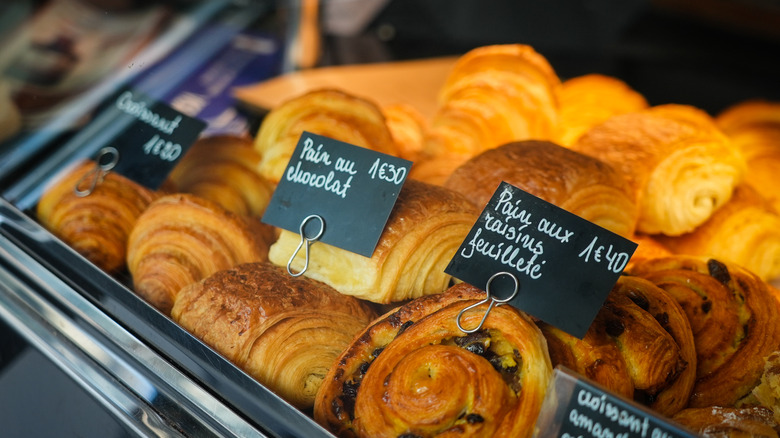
(146, 393)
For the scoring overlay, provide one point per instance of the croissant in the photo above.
(493, 95)
(679, 165)
(580, 184)
(181, 239)
(327, 112)
(585, 101)
(407, 127)
(223, 169)
(718, 422)
(734, 318)
(640, 345)
(425, 228)
(284, 331)
(754, 126)
(413, 372)
(97, 225)
(746, 231)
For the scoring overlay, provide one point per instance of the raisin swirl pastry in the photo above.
(182, 238)
(397, 378)
(734, 318)
(640, 345)
(97, 225)
(285, 331)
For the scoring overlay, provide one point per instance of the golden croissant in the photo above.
(746, 231)
(181, 239)
(679, 165)
(580, 184)
(284, 331)
(734, 318)
(96, 225)
(493, 95)
(327, 112)
(223, 169)
(425, 228)
(754, 127)
(413, 372)
(585, 101)
(640, 345)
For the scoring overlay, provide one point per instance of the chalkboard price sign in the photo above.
(565, 265)
(352, 189)
(154, 139)
(575, 407)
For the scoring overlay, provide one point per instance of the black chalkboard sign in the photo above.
(565, 266)
(154, 138)
(353, 190)
(575, 407)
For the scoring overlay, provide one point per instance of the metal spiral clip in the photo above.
(308, 241)
(100, 171)
(493, 301)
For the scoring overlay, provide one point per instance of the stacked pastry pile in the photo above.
(687, 332)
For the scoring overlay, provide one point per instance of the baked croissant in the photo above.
(718, 422)
(493, 95)
(679, 165)
(327, 112)
(223, 169)
(181, 239)
(734, 318)
(407, 126)
(640, 345)
(745, 230)
(425, 228)
(96, 225)
(413, 372)
(580, 184)
(585, 101)
(754, 127)
(284, 331)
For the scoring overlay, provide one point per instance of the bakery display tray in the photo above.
(240, 392)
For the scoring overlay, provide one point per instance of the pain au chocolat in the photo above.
(284, 331)
(413, 372)
(678, 164)
(425, 228)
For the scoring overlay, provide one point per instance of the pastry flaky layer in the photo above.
(284, 331)
(181, 238)
(96, 225)
(578, 183)
(747, 422)
(413, 371)
(679, 165)
(745, 230)
(640, 346)
(223, 169)
(425, 228)
(327, 112)
(734, 318)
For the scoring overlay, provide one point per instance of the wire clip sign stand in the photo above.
(489, 298)
(306, 243)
